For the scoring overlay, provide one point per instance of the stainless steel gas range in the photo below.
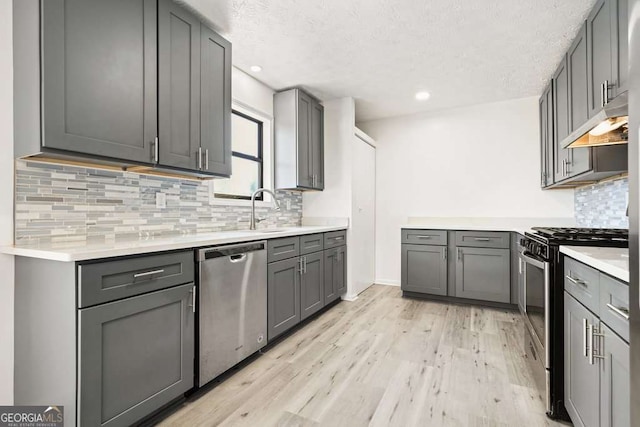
(542, 302)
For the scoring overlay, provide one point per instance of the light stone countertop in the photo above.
(82, 251)
(612, 261)
(518, 225)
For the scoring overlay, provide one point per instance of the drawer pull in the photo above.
(482, 239)
(338, 238)
(576, 281)
(147, 273)
(423, 237)
(622, 312)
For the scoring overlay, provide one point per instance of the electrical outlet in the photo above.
(161, 200)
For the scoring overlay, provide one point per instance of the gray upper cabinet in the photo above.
(424, 269)
(599, 52)
(299, 141)
(99, 76)
(283, 296)
(615, 402)
(560, 120)
(135, 355)
(215, 102)
(194, 93)
(312, 284)
(483, 274)
(581, 378)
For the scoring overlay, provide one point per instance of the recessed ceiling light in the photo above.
(422, 96)
(256, 68)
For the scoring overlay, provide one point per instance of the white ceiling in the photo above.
(381, 52)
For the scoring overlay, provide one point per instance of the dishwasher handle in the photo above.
(238, 258)
(234, 252)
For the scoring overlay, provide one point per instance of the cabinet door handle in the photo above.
(147, 273)
(444, 254)
(304, 264)
(585, 333)
(300, 267)
(593, 332)
(605, 93)
(459, 253)
(576, 281)
(206, 159)
(192, 304)
(620, 311)
(199, 157)
(155, 150)
(602, 95)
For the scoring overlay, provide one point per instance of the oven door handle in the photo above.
(540, 264)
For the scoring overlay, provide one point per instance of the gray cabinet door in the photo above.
(550, 178)
(283, 296)
(560, 120)
(599, 52)
(317, 145)
(179, 86)
(99, 71)
(311, 284)
(424, 269)
(483, 273)
(340, 271)
(577, 67)
(330, 271)
(135, 355)
(215, 102)
(621, 48)
(614, 381)
(305, 167)
(581, 379)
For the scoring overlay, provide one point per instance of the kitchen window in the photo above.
(247, 161)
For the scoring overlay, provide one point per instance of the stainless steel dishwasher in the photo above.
(232, 306)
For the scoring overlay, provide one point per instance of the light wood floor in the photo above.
(383, 360)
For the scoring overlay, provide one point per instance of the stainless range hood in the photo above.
(607, 127)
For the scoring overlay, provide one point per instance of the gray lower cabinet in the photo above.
(424, 269)
(483, 274)
(581, 379)
(335, 273)
(597, 369)
(283, 296)
(311, 284)
(99, 77)
(135, 355)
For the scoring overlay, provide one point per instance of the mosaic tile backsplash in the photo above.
(602, 205)
(56, 203)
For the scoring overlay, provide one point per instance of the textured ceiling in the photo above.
(381, 52)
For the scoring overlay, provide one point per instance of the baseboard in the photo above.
(350, 298)
(387, 282)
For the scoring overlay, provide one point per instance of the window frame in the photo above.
(259, 159)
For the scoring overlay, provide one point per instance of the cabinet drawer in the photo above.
(583, 283)
(425, 237)
(279, 249)
(614, 305)
(334, 239)
(113, 280)
(482, 239)
(311, 243)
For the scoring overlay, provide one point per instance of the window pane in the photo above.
(244, 135)
(244, 180)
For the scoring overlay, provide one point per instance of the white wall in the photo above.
(251, 93)
(6, 202)
(480, 161)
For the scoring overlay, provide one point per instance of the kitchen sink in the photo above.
(274, 230)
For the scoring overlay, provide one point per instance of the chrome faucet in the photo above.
(276, 206)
